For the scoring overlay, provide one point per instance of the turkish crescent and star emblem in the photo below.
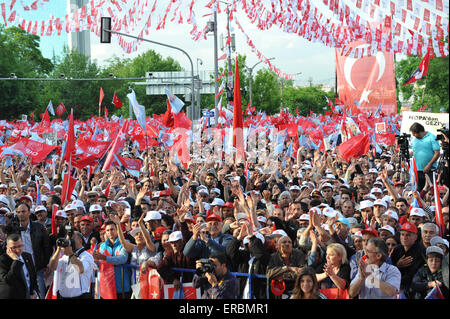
(368, 81)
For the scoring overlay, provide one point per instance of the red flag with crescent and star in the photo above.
(365, 82)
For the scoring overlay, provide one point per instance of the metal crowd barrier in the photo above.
(237, 274)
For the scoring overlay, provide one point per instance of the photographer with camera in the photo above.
(213, 277)
(74, 267)
(426, 152)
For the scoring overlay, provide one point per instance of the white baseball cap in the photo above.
(380, 202)
(278, 232)
(95, 208)
(316, 209)
(175, 236)
(216, 190)
(370, 197)
(416, 211)
(304, 217)
(152, 215)
(40, 208)
(373, 170)
(262, 219)
(258, 235)
(388, 228)
(217, 202)
(61, 213)
(376, 190)
(326, 185)
(365, 204)
(294, 188)
(70, 207)
(329, 212)
(391, 214)
(438, 240)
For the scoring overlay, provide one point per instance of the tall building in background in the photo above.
(79, 41)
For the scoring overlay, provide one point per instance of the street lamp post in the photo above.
(250, 83)
(106, 30)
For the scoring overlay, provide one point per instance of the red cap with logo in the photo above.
(409, 227)
(370, 230)
(86, 218)
(213, 216)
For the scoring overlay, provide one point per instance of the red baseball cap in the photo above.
(370, 230)
(213, 216)
(277, 287)
(229, 205)
(158, 232)
(399, 183)
(86, 218)
(409, 227)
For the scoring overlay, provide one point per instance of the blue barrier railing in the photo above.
(238, 274)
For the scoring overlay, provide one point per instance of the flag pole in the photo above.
(423, 92)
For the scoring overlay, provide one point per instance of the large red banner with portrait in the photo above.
(365, 82)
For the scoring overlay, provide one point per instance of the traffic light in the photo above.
(105, 24)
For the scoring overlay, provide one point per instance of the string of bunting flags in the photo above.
(401, 26)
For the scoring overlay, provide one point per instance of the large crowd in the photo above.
(317, 227)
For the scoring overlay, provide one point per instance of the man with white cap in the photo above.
(417, 216)
(327, 191)
(366, 209)
(42, 216)
(379, 207)
(153, 221)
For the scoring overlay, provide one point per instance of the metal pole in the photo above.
(169, 46)
(229, 77)
(250, 85)
(216, 72)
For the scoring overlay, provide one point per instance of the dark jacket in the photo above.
(40, 241)
(417, 252)
(178, 260)
(419, 284)
(199, 249)
(239, 259)
(12, 280)
(227, 287)
(297, 259)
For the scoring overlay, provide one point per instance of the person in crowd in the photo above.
(375, 279)
(18, 279)
(306, 285)
(336, 271)
(408, 257)
(219, 283)
(430, 275)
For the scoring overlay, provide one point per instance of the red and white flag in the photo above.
(438, 207)
(421, 70)
(102, 95)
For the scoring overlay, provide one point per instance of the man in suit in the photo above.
(36, 242)
(17, 274)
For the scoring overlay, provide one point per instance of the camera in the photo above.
(207, 267)
(66, 242)
(445, 132)
(63, 242)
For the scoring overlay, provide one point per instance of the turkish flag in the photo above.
(151, 285)
(117, 145)
(182, 121)
(70, 141)
(106, 279)
(385, 138)
(117, 103)
(102, 95)
(167, 120)
(354, 147)
(421, 70)
(54, 228)
(60, 109)
(238, 121)
(67, 187)
(366, 82)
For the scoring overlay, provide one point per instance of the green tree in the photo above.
(306, 99)
(82, 96)
(266, 91)
(433, 87)
(149, 61)
(20, 54)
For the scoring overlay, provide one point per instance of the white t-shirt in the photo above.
(69, 281)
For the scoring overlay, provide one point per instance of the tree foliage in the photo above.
(266, 91)
(20, 54)
(306, 99)
(433, 87)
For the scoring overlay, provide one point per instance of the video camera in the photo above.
(64, 242)
(445, 132)
(207, 267)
